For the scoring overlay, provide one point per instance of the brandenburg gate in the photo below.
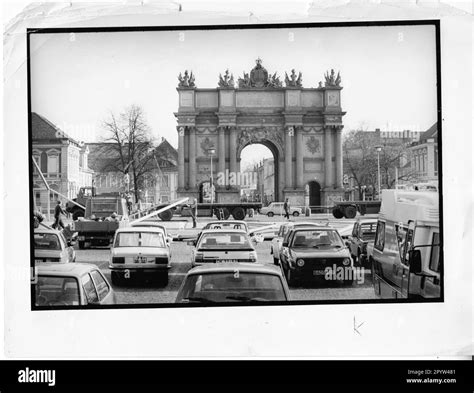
(301, 126)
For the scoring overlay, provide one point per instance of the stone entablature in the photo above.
(302, 127)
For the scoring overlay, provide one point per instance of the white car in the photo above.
(276, 209)
(52, 246)
(223, 245)
(277, 241)
(139, 251)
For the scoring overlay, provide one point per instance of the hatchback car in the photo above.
(309, 253)
(222, 245)
(363, 233)
(276, 209)
(233, 282)
(51, 246)
(277, 241)
(138, 251)
(72, 284)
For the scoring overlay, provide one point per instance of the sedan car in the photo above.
(233, 282)
(222, 245)
(72, 284)
(139, 251)
(276, 209)
(52, 246)
(154, 224)
(277, 241)
(227, 224)
(363, 233)
(309, 253)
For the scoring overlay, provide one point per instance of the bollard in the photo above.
(307, 212)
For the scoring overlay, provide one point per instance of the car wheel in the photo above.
(350, 211)
(270, 214)
(296, 214)
(238, 213)
(337, 213)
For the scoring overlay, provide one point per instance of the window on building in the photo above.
(44, 162)
(53, 164)
(436, 161)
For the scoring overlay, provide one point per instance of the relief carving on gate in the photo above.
(249, 135)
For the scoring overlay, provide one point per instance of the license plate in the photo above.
(140, 260)
(319, 272)
(229, 260)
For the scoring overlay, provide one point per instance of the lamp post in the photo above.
(378, 149)
(211, 152)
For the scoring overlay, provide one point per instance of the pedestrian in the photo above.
(193, 211)
(129, 203)
(286, 207)
(37, 218)
(58, 222)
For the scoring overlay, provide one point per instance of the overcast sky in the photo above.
(388, 73)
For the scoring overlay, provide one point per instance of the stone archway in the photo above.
(314, 195)
(263, 137)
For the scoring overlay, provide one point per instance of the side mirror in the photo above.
(415, 261)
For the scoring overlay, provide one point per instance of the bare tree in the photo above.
(360, 159)
(129, 145)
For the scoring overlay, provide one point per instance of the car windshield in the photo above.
(367, 231)
(47, 241)
(139, 239)
(316, 239)
(224, 240)
(56, 291)
(232, 286)
(226, 225)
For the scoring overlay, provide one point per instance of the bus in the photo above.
(406, 258)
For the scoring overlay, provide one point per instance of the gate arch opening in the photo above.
(261, 159)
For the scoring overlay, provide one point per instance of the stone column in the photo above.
(181, 174)
(221, 150)
(328, 157)
(339, 173)
(288, 157)
(233, 150)
(299, 157)
(192, 157)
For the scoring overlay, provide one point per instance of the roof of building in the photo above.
(431, 132)
(42, 129)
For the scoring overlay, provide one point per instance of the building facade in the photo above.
(63, 161)
(424, 155)
(301, 126)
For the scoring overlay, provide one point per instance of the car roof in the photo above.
(61, 269)
(139, 229)
(147, 223)
(305, 223)
(313, 227)
(226, 222)
(240, 266)
(367, 220)
(227, 230)
(47, 230)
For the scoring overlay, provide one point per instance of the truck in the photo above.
(220, 210)
(349, 209)
(406, 256)
(84, 194)
(99, 227)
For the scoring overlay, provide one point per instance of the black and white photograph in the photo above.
(224, 166)
(262, 180)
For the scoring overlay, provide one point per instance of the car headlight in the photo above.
(300, 262)
(346, 261)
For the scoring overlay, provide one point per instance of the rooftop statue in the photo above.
(293, 80)
(259, 78)
(331, 79)
(188, 80)
(227, 80)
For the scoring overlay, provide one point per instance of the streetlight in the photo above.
(211, 152)
(378, 149)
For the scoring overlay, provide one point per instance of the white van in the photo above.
(406, 258)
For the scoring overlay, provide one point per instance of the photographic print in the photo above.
(235, 165)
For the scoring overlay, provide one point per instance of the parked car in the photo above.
(231, 224)
(71, 284)
(276, 208)
(233, 282)
(284, 229)
(309, 253)
(154, 224)
(51, 246)
(363, 233)
(223, 245)
(139, 251)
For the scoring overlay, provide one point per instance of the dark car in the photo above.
(312, 253)
(363, 233)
